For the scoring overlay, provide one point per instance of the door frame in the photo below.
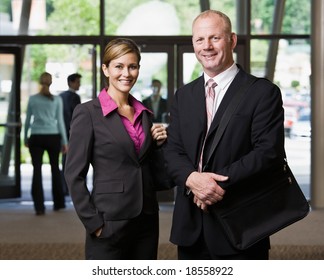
(12, 189)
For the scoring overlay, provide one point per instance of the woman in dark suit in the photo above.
(114, 134)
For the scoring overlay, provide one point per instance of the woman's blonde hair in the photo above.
(45, 80)
(119, 47)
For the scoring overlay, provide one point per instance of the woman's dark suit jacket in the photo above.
(251, 146)
(122, 186)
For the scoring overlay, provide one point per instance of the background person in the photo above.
(70, 100)
(44, 119)
(251, 148)
(114, 134)
(156, 103)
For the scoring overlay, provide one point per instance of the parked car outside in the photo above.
(302, 127)
(291, 114)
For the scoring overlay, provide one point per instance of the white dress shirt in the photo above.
(223, 81)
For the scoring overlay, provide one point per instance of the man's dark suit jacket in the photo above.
(122, 186)
(161, 116)
(70, 101)
(250, 148)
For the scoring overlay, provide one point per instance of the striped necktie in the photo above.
(210, 97)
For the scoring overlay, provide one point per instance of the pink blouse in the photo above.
(135, 129)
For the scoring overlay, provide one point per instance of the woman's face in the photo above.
(122, 73)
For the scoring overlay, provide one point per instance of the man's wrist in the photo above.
(189, 183)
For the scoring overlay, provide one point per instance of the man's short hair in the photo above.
(156, 81)
(73, 77)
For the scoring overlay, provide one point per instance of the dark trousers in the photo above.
(64, 185)
(137, 241)
(38, 144)
(200, 251)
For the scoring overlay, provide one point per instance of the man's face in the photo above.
(75, 84)
(156, 88)
(213, 47)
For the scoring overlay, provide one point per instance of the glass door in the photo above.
(10, 125)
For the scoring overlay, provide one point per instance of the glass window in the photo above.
(296, 17)
(153, 66)
(292, 69)
(142, 17)
(60, 61)
(228, 7)
(292, 74)
(48, 17)
(192, 69)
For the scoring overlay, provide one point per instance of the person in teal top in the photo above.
(45, 131)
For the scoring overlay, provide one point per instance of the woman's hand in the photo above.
(65, 149)
(159, 133)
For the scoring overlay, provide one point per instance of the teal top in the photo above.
(45, 116)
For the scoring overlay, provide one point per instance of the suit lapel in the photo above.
(196, 120)
(233, 88)
(146, 123)
(200, 101)
(115, 126)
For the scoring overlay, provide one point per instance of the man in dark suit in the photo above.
(156, 103)
(251, 148)
(70, 100)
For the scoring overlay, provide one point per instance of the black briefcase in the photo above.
(253, 212)
(256, 212)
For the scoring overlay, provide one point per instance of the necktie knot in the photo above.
(211, 84)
